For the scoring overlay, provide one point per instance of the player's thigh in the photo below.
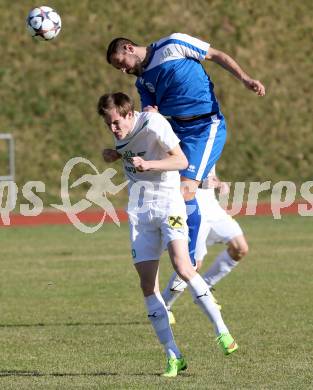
(145, 239)
(223, 230)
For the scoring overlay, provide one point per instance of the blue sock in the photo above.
(193, 222)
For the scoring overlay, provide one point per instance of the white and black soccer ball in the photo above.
(43, 23)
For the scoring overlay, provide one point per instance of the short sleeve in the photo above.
(189, 46)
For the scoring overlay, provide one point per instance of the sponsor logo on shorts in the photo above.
(175, 222)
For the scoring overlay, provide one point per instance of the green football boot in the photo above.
(227, 343)
(174, 366)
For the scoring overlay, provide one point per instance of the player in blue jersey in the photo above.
(171, 79)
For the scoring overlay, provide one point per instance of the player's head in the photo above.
(122, 54)
(117, 110)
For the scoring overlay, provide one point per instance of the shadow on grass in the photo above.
(41, 324)
(21, 373)
(5, 373)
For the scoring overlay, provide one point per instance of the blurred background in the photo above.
(49, 90)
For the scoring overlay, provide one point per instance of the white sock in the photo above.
(221, 267)
(203, 297)
(175, 287)
(158, 316)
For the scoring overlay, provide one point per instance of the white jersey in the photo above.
(151, 138)
(156, 208)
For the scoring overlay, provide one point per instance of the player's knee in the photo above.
(238, 248)
(199, 264)
(186, 272)
(244, 249)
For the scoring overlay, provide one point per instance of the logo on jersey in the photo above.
(150, 87)
(166, 53)
(175, 222)
(128, 155)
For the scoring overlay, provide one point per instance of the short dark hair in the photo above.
(116, 45)
(119, 100)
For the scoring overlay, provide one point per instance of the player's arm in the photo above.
(231, 65)
(214, 182)
(174, 161)
(110, 155)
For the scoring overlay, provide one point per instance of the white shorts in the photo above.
(212, 232)
(152, 230)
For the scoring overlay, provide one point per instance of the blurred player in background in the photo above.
(171, 79)
(157, 215)
(216, 227)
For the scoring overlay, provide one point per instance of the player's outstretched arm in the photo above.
(231, 65)
(110, 155)
(175, 161)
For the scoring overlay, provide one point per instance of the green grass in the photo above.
(49, 90)
(72, 315)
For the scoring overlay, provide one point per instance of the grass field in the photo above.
(72, 315)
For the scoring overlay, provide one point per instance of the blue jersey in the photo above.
(175, 80)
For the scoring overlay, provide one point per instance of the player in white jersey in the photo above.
(216, 227)
(171, 78)
(151, 156)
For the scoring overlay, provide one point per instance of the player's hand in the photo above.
(140, 164)
(254, 85)
(213, 181)
(222, 186)
(110, 155)
(151, 109)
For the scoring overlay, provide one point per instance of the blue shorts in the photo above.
(202, 141)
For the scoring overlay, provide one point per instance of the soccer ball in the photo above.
(43, 23)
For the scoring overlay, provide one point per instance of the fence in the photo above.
(10, 176)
